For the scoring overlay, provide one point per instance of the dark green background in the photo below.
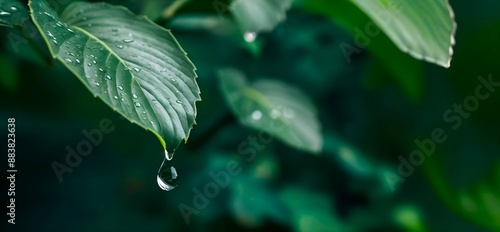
(114, 188)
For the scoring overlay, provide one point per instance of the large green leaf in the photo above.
(12, 13)
(425, 29)
(275, 108)
(132, 64)
(255, 16)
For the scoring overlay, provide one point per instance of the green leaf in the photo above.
(479, 203)
(406, 71)
(273, 107)
(12, 13)
(259, 15)
(482, 200)
(132, 64)
(425, 29)
(312, 211)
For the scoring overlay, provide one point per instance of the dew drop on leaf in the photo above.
(256, 115)
(250, 36)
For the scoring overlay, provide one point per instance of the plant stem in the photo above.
(176, 5)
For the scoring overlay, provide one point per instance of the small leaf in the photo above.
(275, 108)
(132, 64)
(12, 13)
(425, 29)
(255, 16)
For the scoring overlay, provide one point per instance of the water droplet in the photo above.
(137, 69)
(167, 175)
(122, 99)
(115, 97)
(144, 112)
(108, 77)
(13, 8)
(119, 46)
(178, 101)
(137, 104)
(89, 64)
(94, 61)
(68, 60)
(256, 115)
(128, 40)
(100, 69)
(120, 87)
(134, 96)
(4, 13)
(250, 36)
(275, 113)
(78, 61)
(173, 80)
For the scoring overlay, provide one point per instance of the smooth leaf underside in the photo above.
(132, 64)
(12, 13)
(273, 107)
(259, 15)
(425, 28)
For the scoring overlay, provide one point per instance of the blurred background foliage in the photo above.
(371, 110)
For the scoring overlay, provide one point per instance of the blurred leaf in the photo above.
(428, 36)
(153, 9)
(12, 13)
(135, 66)
(8, 79)
(410, 218)
(259, 15)
(273, 107)
(252, 202)
(482, 201)
(311, 212)
(479, 203)
(405, 70)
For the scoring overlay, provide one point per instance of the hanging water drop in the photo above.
(167, 175)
